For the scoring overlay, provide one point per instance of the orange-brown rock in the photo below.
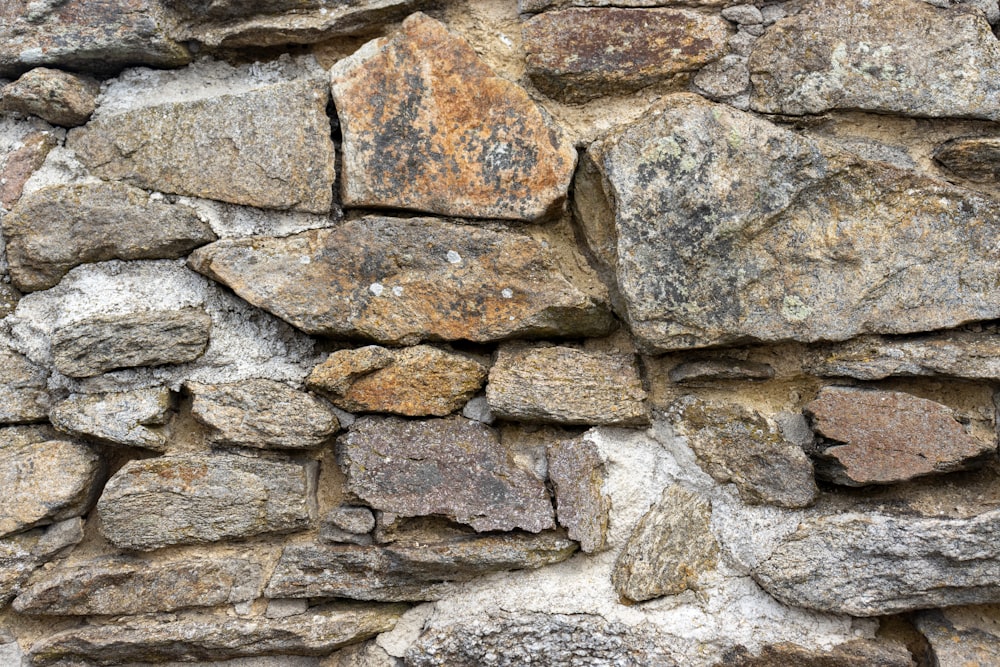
(427, 126)
(856, 653)
(59, 97)
(18, 166)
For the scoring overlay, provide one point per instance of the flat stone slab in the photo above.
(429, 127)
(974, 158)
(24, 553)
(131, 419)
(855, 653)
(58, 97)
(401, 281)
(578, 474)
(722, 368)
(24, 396)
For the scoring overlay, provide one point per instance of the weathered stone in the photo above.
(961, 636)
(723, 227)
(23, 394)
(408, 571)
(19, 436)
(284, 608)
(577, 475)
(101, 35)
(743, 14)
(453, 467)
(44, 482)
(201, 637)
(580, 54)
(347, 524)
(133, 418)
(402, 281)
(895, 56)
(974, 158)
(17, 166)
(533, 6)
(428, 126)
(478, 408)
(99, 344)
(856, 653)
(56, 228)
(719, 368)
(262, 413)
(9, 296)
(136, 587)
(267, 146)
(724, 78)
(565, 385)
(882, 437)
(59, 97)
(413, 381)
(670, 549)
(22, 554)
(738, 445)
(151, 503)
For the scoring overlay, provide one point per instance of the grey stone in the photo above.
(741, 44)
(22, 554)
(726, 77)
(106, 342)
(151, 503)
(743, 14)
(133, 419)
(284, 608)
(24, 397)
(962, 636)
(478, 408)
(9, 296)
(365, 654)
(855, 653)
(11, 653)
(974, 158)
(347, 524)
(577, 474)
(773, 13)
(58, 97)
(720, 368)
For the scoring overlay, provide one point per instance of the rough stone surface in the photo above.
(723, 227)
(580, 54)
(99, 344)
(262, 413)
(23, 395)
(538, 383)
(56, 228)
(453, 467)
(17, 165)
(22, 554)
(133, 419)
(414, 381)
(428, 126)
(725, 368)
(578, 476)
(962, 636)
(881, 437)
(725, 78)
(59, 97)
(347, 524)
(901, 56)
(151, 503)
(857, 653)
(402, 281)
(974, 158)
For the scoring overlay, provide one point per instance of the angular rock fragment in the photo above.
(9, 297)
(723, 368)
(151, 503)
(579, 54)
(855, 653)
(402, 281)
(99, 344)
(263, 414)
(892, 56)
(961, 636)
(22, 554)
(349, 524)
(58, 227)
(452, 467)
(59, 97)
(577, 474)
(539, 383)
(722, 227)
(132, 418)
(974, 158)
(889, 436)
(724, 79)
(17, 166)
(24, 397)
(413, 381)
(427, 126)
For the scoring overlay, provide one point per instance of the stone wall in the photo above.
(394, 333)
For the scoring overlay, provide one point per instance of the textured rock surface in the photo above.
(427, 126)
(17, 165)
(453, 467)
(857, 653)
(133, 419)
(59, 97)
(889, 436)
(962, 636)
(347, 524)
(413, 381)
(22, 554)
(565, 385)
(151, 503)
(693, 372)
(403, 281)
(975, 158)
(578, 476)
(263, 414)
(23, 395)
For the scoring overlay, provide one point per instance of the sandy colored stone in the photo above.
(263, 414)
(577, 474)
(133, 418)
(9, 296)
(59, 97)
(962, 636)
(579, 54)
(856, 653)
(400, 281)
(532, 6)
(882, 437)
(975, 158)
(24, 396)
(18, 166)
(721, 368)
(429, 127)
(24, 553)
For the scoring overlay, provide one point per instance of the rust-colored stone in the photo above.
(59, 97)
(21, 164)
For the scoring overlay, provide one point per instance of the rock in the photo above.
(669, 551)
(22, 554)
(347, 524)
(408, 571)
(721, 368)
(452, 467)
(724, 228)
(58, 227)
(286, 608)
(262, 413)
(151, 503)
(961, 636)
(888, 56)
(478, 408)
(428, 127)
(132, 419)
(533, 6)
(17, 166)
(101, 36)
(137, 587)
(577, 474)
(882, 437)
(579, 54)
(59, 97)
(201, 637)
(24, 397)
(19, 436)
(99, 344)
(855, 653)
(365, 654)
(738, 445)
(743, 14)
(974, 158)
(725, 78)
(401, 281)
(9, 297)
(539, 383)
(10, 652)
(413, 381)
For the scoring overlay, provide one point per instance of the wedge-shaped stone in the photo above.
(452, 467)
(707, 371)
(962, 636)
(402, 281)
(895, 56)
(578, 476)
(18, 164)
(61, 226)
(856, 653)
(262, 413)
(203, 637)
(137, 587)
(428, 126)
(408, 571)
(58, 97)
(23, 388)
(22, 554)
(131, 418)
(151, 503)
(723, 227)
(975, 158)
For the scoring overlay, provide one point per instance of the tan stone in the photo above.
(18, 166)
(962, 636)
(59, 97)
(856, 653)
(24, 397)
(132, 418)
(577, 474)
(975, 158)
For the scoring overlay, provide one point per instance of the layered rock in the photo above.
(856, 653)
(23, 394)
(24, 553)
(132, 419)
(58, 97)
(578, 475)
(726, 368)
(17, 165)
(975, 158)
(965, 636)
